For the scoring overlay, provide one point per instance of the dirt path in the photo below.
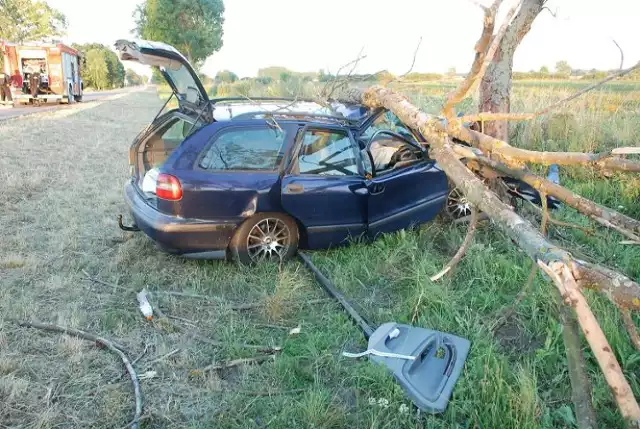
(7, 112)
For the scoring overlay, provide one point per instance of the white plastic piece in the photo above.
(145, 307)
(394, 334)
(378, 353)
(295, 331)
(149, 181)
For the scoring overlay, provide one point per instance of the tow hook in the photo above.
(126, 228)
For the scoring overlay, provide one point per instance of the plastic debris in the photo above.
(145, 307)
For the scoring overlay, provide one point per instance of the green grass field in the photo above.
(61, 218)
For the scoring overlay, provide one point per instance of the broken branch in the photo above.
(461, 91)
(631, 328)
(564, 281)
(110, 345)
(463, 248)
(234, 363)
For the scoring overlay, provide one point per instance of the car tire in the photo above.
(70, 97)
(265, 236)
(78, 98)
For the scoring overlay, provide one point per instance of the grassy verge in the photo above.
(62, 189)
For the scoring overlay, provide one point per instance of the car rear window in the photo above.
(245, 149)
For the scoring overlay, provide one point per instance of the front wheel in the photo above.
(457, 206)
(78, 98)
(264, 237)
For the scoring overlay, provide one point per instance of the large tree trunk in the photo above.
(495, 87)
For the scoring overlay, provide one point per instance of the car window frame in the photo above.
(362, 128)
(293, 158)
(416, 146)
(284, 128)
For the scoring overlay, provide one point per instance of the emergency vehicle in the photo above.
(48, 71)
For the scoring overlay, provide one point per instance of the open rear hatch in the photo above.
(150, 150)
(175, 68)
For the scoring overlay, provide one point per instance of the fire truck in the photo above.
(48, 72)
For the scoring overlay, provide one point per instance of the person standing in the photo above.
(5, 89)
(16, 79)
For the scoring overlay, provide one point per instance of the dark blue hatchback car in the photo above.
(256, 179)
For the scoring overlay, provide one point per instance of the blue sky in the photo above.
(308, 35)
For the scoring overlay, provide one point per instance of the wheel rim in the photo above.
(457, 204)
(268, 239)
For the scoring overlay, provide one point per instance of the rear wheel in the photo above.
(78, 98)
(265, 237)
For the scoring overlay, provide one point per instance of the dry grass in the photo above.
(62, 181)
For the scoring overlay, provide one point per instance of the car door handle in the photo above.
(376, 189)
(294, 188)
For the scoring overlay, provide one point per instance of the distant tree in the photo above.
(275, 73)
(132, 78)
(265, 80)
(23, 20)
(544, 70)
(226, 76)
(96, 73)
(285, 76)
(114, 69)
(192, 27)
(156, 76)
(451, 72)
(563, 67)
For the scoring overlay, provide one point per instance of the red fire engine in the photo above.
(46, 71)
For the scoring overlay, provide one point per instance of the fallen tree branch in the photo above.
(571, 295)
(580, 384)
(253, 305)
(631, 328)
(110, 345)
(233, 363)
(161, 358)
(583, 205)
(516, 157)
(622, 231)
(463, 248)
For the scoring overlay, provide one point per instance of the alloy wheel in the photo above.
(458, 206)
(268, 239)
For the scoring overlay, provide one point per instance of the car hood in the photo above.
(175, 68)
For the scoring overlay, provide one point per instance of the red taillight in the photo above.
(168, 187)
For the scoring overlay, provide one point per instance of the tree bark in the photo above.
(580, 384)
(495, 87)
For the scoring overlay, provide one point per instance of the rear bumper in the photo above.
(188, 237)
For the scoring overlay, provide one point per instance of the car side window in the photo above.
(177, 130)
(327, 153)
(387, 121)
(245, 149)
(391, 153)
